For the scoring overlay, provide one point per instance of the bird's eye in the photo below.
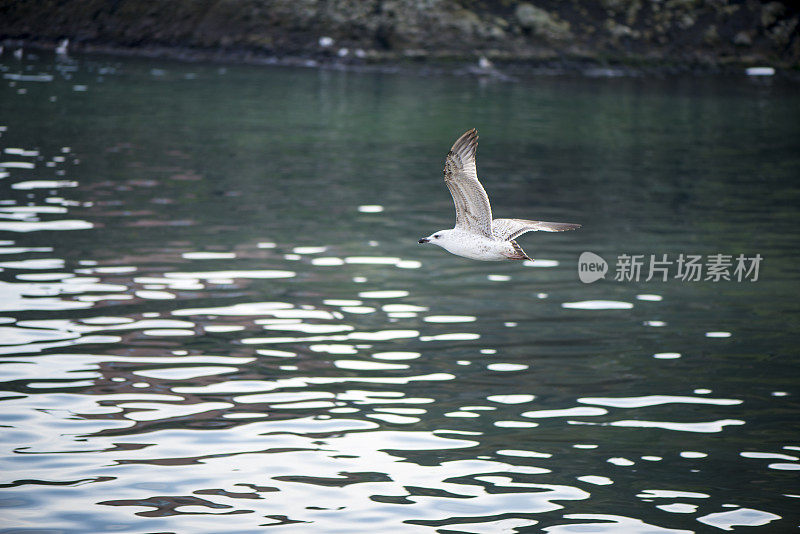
(436, 237)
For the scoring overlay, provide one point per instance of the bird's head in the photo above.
(437, 238)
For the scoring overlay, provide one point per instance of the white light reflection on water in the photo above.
(656, 400)
(598, 305)
(605, 523)
(44, 184)
(38, 226)
(704, 427)
(740, 517)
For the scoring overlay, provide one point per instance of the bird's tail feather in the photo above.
(518, 253)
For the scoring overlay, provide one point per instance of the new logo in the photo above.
(591, 267)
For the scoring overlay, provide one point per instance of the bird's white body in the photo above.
(477, 235)
(473, 246)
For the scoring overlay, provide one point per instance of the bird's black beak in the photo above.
(423, 240)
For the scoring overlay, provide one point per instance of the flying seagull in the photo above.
(476, 235)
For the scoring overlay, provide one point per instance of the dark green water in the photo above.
(215, 316)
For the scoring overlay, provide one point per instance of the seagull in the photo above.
(476, 235)
(62, 47)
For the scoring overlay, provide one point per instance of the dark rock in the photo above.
(623, 31)
(742, 38)
(541, 23)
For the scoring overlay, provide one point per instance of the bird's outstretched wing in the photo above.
(508, 229)
(473, 212)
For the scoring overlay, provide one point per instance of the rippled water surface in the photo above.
(215, 316)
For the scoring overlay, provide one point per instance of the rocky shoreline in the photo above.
(660, 35)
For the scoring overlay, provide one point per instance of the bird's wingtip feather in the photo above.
(466, 145)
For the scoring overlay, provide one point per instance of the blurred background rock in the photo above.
(685, 33)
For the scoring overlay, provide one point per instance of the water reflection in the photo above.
(186, 333)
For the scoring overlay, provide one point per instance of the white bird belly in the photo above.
(476, 247)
